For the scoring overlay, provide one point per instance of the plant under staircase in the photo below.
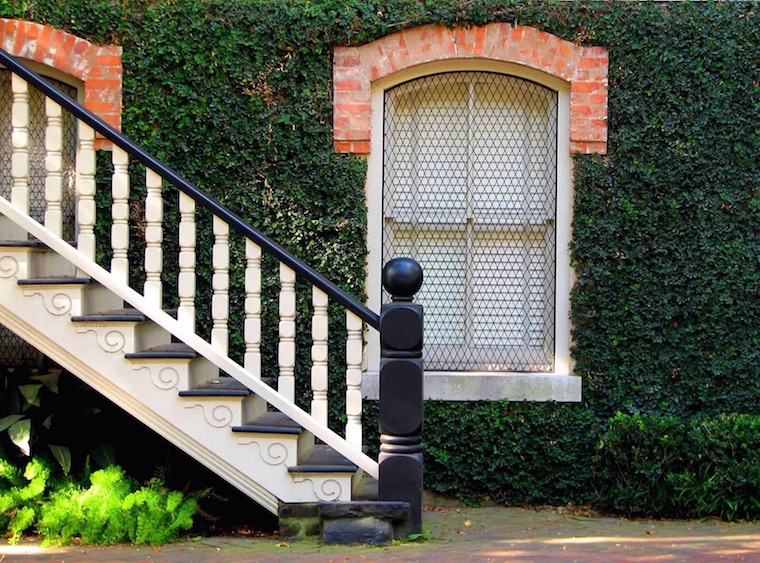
(150, 361)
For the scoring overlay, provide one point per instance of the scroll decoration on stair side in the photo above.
(326, 490)
(219, 416)
(109, 340)
(55, 303)
(8, 266)
(165, 378)
(275, 453)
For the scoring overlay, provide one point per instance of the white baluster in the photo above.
(53, 167)
(120, 214)
(286, 352)
(319, 331)
(20, 142)
(354, 355)
(220, 302)
(252, 335)
(154, 237)
(85, 190)
(186, 279)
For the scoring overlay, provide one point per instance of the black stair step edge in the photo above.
(127, 315)
(30, 243)
(63, 280)
(270, 423)
(22, 243)
(175, 350)
(323, 459)
(220, 387)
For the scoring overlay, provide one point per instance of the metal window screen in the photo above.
(14, 351)
(37, 123)
(469, 190)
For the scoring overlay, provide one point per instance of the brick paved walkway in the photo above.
(463, 534)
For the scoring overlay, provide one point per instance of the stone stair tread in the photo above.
(128, 314)
(270, 423)
(323, 459)
(56, 280)
(175, 350)
(221, 387)
(22, 243)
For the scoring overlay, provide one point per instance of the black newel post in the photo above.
(401, 390)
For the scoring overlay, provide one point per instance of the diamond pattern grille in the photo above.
(14, 351)
(469, 190)
(37, 124)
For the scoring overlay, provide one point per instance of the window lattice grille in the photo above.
(469, 190)
(14, 351)
(37, 153)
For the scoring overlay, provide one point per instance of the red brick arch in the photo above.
(584, 68)
(98, 67)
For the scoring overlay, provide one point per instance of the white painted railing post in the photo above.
(186, 278)
(120, 214)
(252, 332)
(53, 167)
(354, 356)
(154, 237)
(319, 369)
(20, 144)
(220, 302)
(286, 350)
(85, 190)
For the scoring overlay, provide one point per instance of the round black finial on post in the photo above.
(401, 392)
(402, 278)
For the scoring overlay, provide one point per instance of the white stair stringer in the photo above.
(200, 426)
(255, 464)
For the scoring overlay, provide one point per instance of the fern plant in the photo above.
(114, 510)
(21, 495)
(157, 515)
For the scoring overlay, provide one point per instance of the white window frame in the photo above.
(559, 385)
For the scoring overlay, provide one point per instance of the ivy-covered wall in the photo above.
(236, 94)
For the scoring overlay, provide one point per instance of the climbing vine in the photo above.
(237, 95)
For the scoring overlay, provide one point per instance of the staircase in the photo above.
(151, 362)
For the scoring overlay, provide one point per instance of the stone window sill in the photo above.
(477, 386)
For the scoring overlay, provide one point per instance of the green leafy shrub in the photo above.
(45, 414)
(113, 510)
(636, 454)
(515, 453)
(724, 479)
(668, 466)
(157, 515)
(21, 494)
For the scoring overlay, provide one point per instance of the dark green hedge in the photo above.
(237, 95)
(706, 466)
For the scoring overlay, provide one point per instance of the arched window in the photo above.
(469, 134)
(470, 191)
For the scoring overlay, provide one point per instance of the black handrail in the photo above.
(203, 199)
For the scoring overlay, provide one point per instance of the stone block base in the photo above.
(367, 523)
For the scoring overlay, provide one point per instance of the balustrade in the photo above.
(120, 214)
(220, 283)
(20, 144)
(158, 181)
(54, 167)
(186, 277)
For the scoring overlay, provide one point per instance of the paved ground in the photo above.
(463, 534)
